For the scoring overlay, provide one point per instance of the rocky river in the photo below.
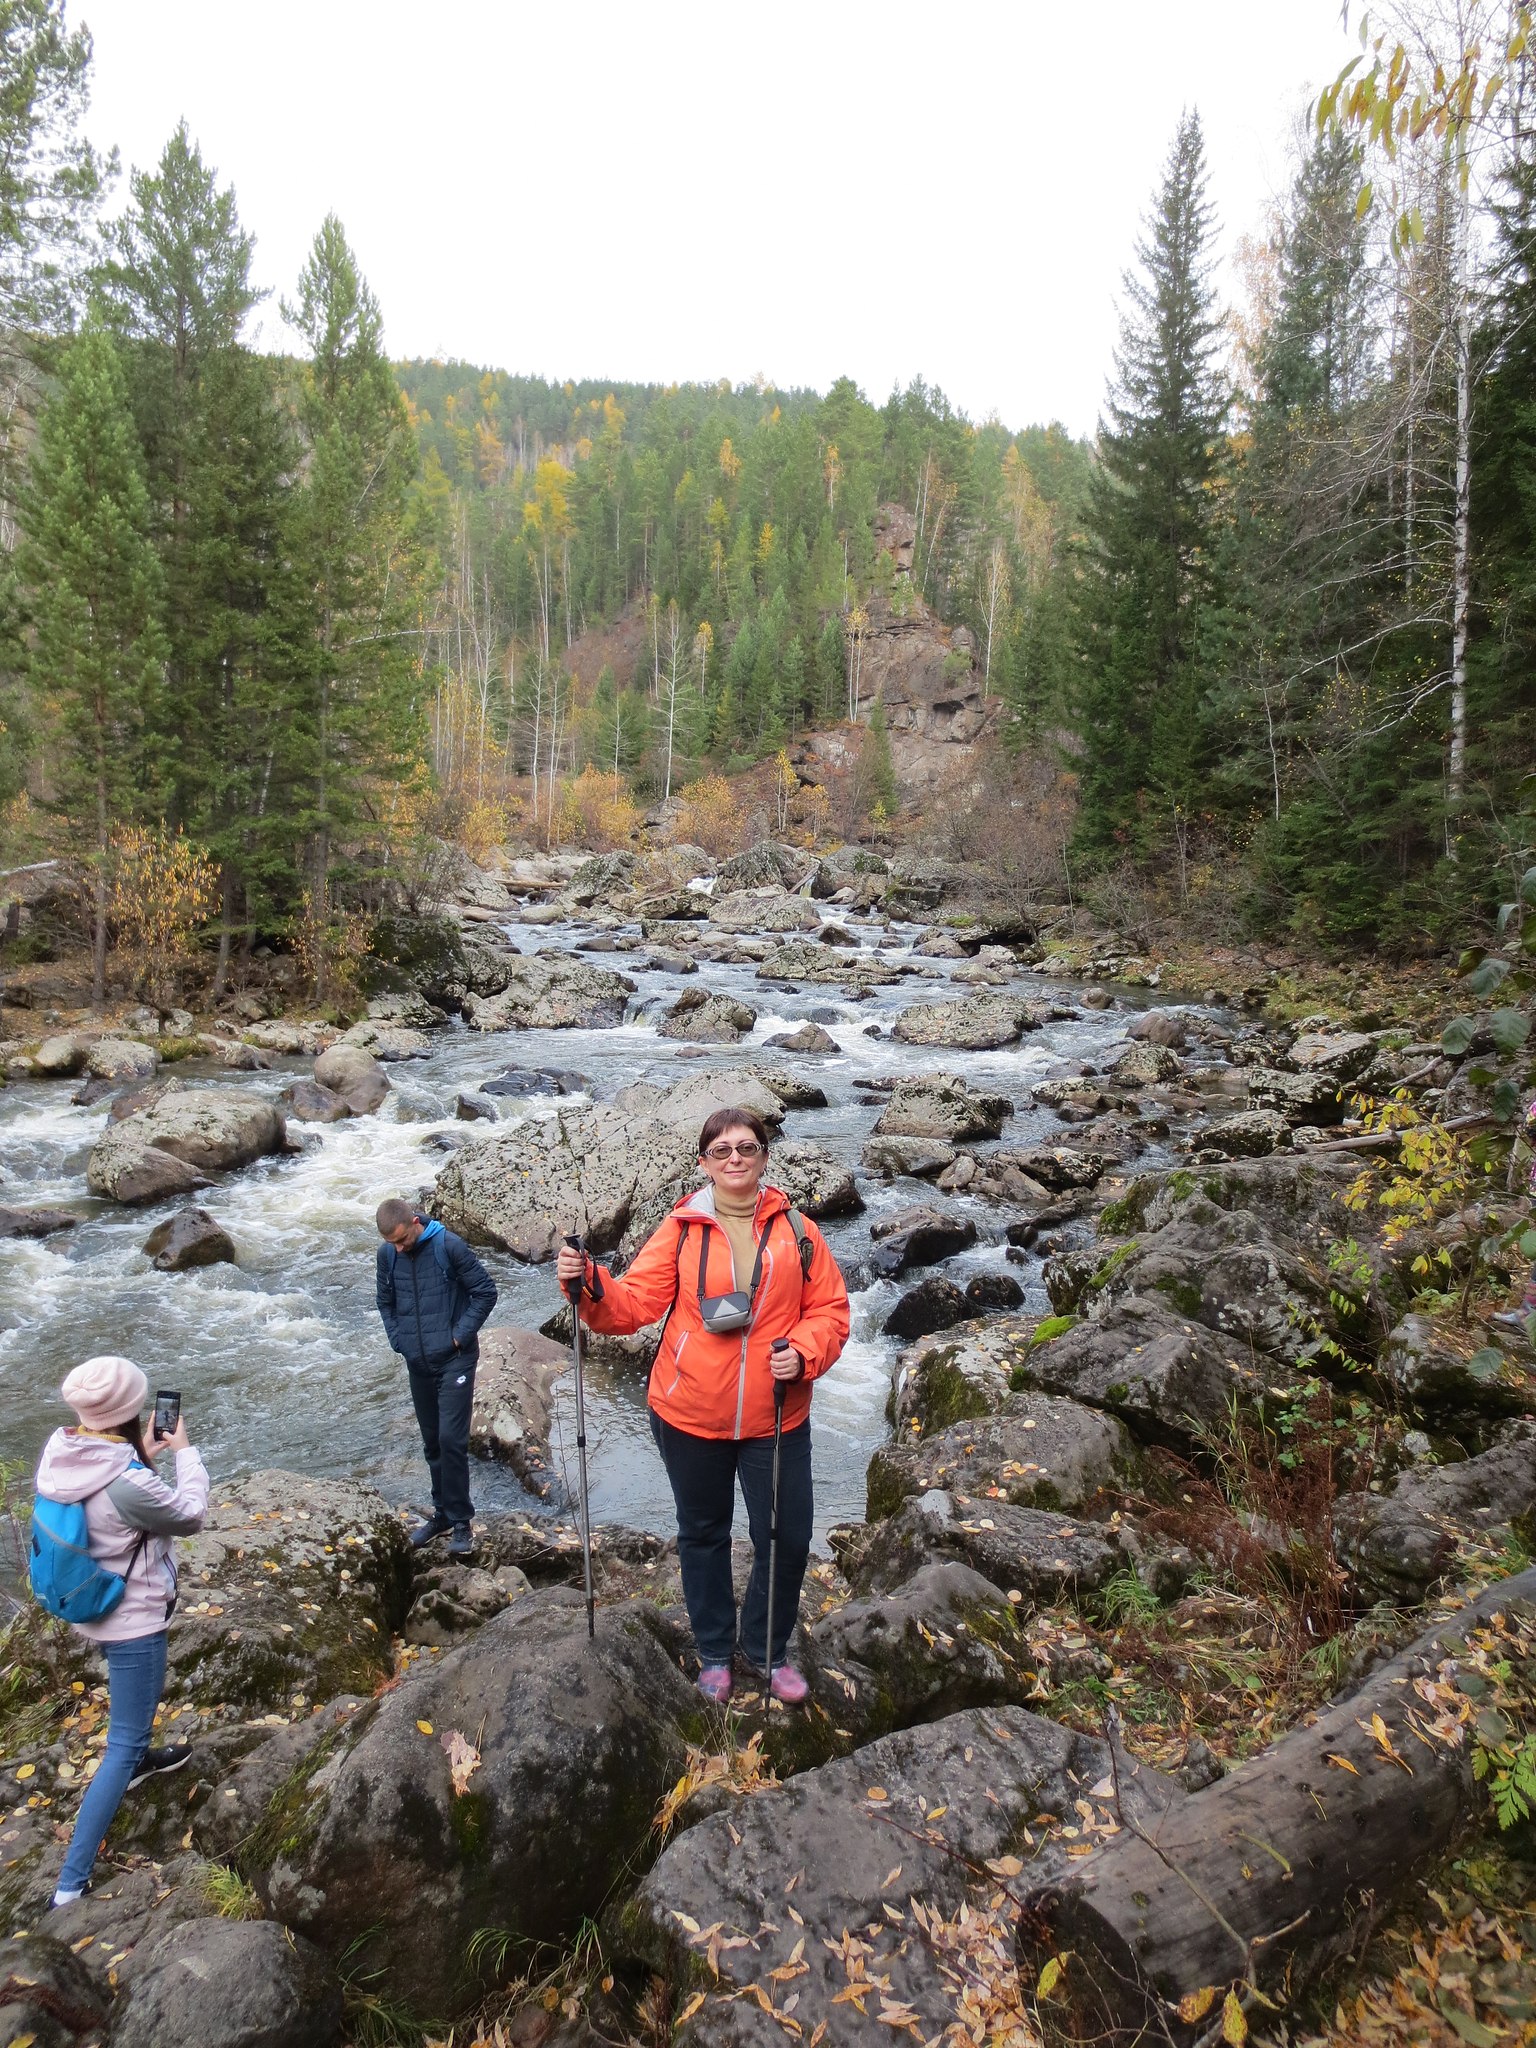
(280, 1357)
(1162, 1512)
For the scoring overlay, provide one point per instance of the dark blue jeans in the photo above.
(703, 1472)
(443, 1394)
(135, 1680)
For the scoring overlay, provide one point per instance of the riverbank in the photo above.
(1165, 1452)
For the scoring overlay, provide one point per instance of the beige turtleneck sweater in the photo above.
(735, 1217)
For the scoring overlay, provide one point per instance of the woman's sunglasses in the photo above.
(751, 1150)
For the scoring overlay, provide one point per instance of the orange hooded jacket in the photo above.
(719, 1384)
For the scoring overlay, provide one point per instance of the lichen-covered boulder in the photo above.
(230, 1984)
(974, 1023)
(401, 1863)
(1042, 1556)
(1167, 1375)
(122, 1059)
(941, 1106)
(207, 1130)
(610, 1171)
(292, 1587)
(1036, 1450)
(699, 1018)
(388, 1041)
(809, 1038)
(552, 992)
(945, 1377)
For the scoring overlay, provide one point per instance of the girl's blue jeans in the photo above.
(135, 1680)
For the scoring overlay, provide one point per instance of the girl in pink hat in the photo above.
(132, 1516)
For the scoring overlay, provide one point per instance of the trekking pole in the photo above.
(773, 1532)
(573, 1290)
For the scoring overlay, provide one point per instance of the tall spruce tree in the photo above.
(97, 645)
(1152, 518)
(358, 724)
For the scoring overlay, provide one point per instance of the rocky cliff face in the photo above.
(922, 672)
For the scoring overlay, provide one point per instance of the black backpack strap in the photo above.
(677, 1282)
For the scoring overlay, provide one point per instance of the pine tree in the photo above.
(97, 646)
(1152, 520)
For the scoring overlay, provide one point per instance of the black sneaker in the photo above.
(428, 1531)
(156, 1761)
(462, 1542)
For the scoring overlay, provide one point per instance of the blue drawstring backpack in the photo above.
(66, 1579)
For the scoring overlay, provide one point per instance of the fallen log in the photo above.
(1391, 1141)
(1254, 1884)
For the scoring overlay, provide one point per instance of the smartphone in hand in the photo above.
(167, 1412)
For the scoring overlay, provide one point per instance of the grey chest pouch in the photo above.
(722, 1314)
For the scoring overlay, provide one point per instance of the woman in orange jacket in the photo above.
(745, 1308)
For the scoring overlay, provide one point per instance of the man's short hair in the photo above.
(392, 1214)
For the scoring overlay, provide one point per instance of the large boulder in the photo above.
(932, 1641)
(353, 1074)
(1159, 1027)
(898, 1158)
(1041, 1556)
(388, 1041)
(230, 1984)
(188, 1239)
(1165, 1374)
(61, 1056)
(809, 1038)
(818, 1184)
(567, 1747)
(1144, 1065)
(768, 910)
(1299, 1098)
(1292, 1194)
(944, 1378)
(551, 992)
(207, 1130)
(296, 1037)
(513, 1400)
(1342, 1056)
(1221, 1268)
(1447, 1371)
(903, 1823)
(1249, 1134)
(611, 1170)
(941, 1106)
(293, 1587)
(50, 1997)
(918, 1237)
(974, 1023)
(1399, 1542)
(933, 1304)
(35, 1222)
(1060, 1167)
(122, 1059)
(307, 1102)
(1036, 1451)
(699, 1018)
(765, 864)
(809, 960)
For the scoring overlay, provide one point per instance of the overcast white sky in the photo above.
(677, 191)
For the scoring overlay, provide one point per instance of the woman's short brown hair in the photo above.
(732, 1120)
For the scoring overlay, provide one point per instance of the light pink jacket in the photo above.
(125, 1500)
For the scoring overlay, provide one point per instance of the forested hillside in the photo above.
(277, 628)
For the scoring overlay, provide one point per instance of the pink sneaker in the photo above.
(788, 1685)
(715, 1683)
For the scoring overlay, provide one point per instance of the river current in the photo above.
(281, 1359)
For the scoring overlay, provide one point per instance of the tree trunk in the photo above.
(1456, 770)
(1263, 1878)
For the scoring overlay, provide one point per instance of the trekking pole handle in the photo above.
(573, 1287)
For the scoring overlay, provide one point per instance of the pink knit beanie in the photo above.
(106, 1391)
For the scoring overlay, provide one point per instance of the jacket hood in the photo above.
(429, 1231)
(701, 1201)
(73, 1465)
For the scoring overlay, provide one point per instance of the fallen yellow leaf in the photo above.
(425, 1727)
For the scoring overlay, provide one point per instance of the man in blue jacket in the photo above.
(433, 1295)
